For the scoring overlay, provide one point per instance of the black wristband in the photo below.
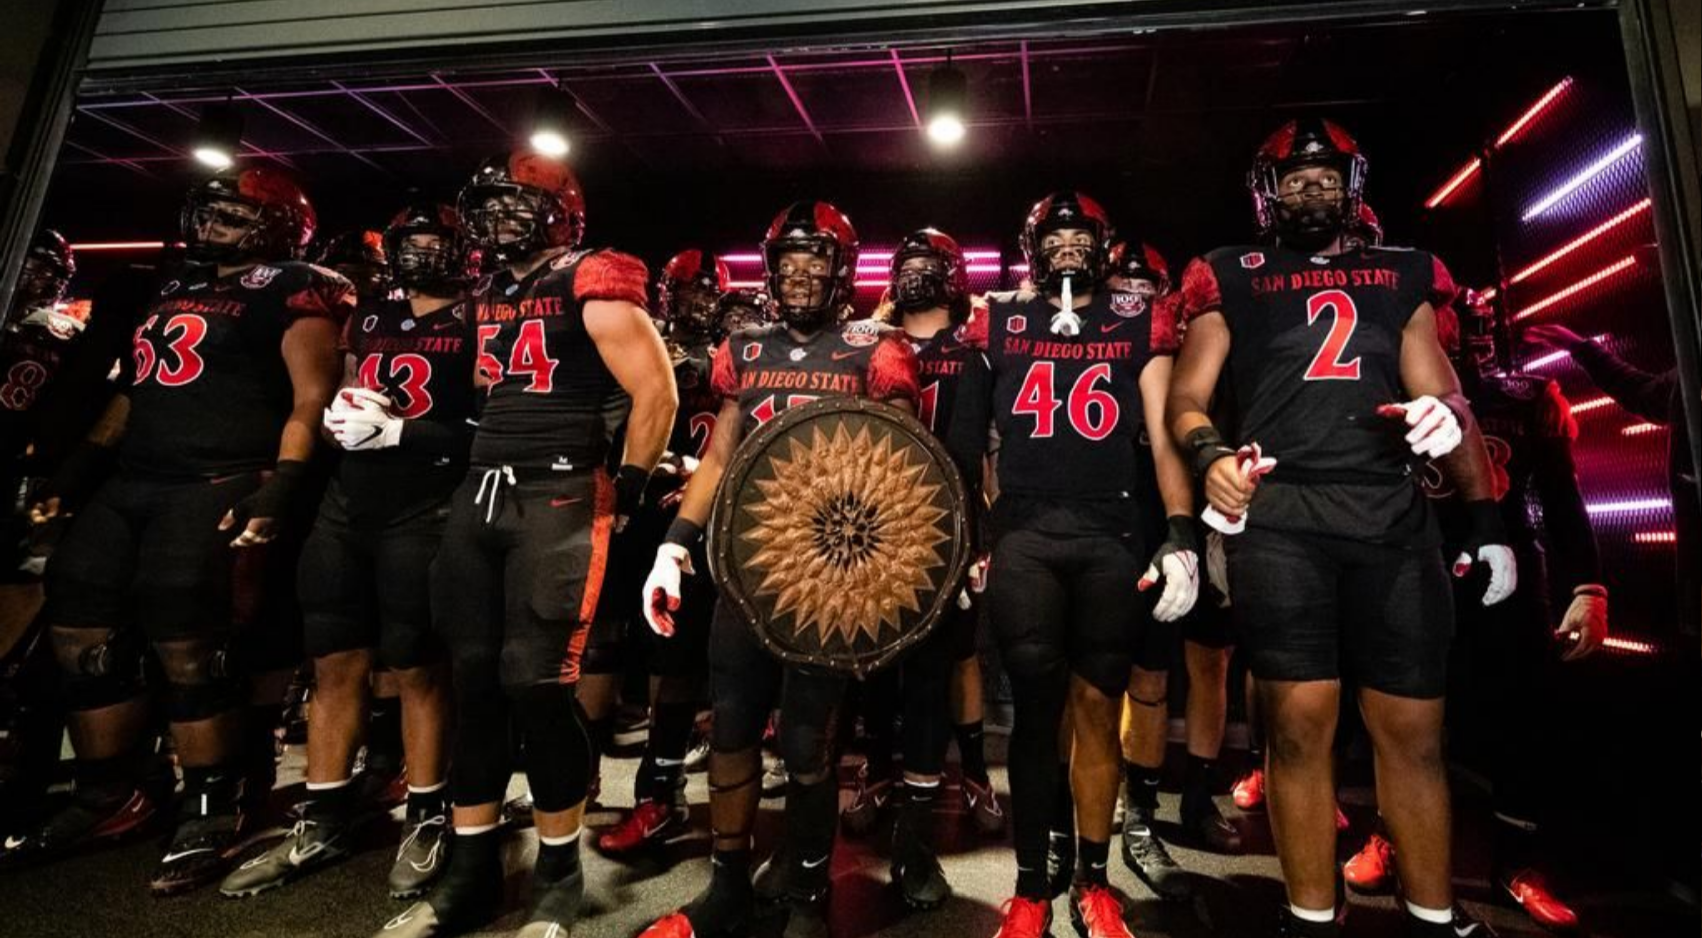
(1484, 518)
(1206, 446)
(630, 481)
(683, 532)
(273, 497)
(1185, 531)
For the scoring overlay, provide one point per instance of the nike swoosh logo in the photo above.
(564, 502)
(841, 356)
(298, 857)
(444, 325)
(13, 843)
(173, 857)
(810, 866)
(399, 921)
(1110, 326)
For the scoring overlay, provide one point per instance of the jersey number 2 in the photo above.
(1327, 365)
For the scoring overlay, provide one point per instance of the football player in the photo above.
(1331, 352)
(810, 262)
(567, 352)
(235, 358)
(1076, 371)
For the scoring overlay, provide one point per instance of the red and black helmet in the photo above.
(688, 293)
(943, 283)
(1137, 260)
(742, 308)
(820, 229)
(520, 203)
(1056, 212)
(359, 257)
(439, 268)
(281, 231)
(1310, 141)
(48, 268)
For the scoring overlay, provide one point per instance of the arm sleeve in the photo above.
(611, 275)
(1167, 324)
(1647, 395)
(1200, 291)
(1442, 289)
(893, 370)
(974, 331)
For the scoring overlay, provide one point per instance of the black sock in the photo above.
(726, 904)
(972, 750)
(916, 818)
(472, 885)
(1091, 859)
(428, 804)
(384, 733)
(1197, 784)
(1143, 786)
(107, 779)
(664, 754)
(1033, 884)
(557, 862)
(1515, 846)
(1255, 758)
(1063, 804)
(330, 805)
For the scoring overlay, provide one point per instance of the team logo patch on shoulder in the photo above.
(1253, 260)
(171, 286)
(568, 259)
(861, 334)
(1128, 305)
(484, 285)
(258, 277)
(752, 350)
(369, 323)
(1016, 324)
(797, 354)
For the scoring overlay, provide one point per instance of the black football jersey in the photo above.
(694, 422)
(1068, 409)
(766, 370)
(1528, 429)
(552, 403)
(424, 364)
(30, 359)
(209, 390)
(942, 361)
(1315, 346)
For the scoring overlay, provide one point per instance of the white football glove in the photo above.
(362, 399)
(1435, 429)
(356, 430)
(1503, 570)
(1177, 563)
(1254, 465)
(662, 587)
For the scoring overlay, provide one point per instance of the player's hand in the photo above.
(256, 532)
(1228, 489)
(1177, 563)
(978, 569)
(1503, 570)
(662, 588)
(1435, 428)
(257, 515)
(364, 429)
(1552, 336)
(45, 510)
(1585, 625)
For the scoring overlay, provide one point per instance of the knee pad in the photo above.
(558, 748)
(807, 750)
(1035, 663)
(1107, 671)
(99, 668)
(203, 679)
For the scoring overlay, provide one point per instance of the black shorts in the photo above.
(1305, 604)
(149, 553)
(1210, 625)
(516, 581)
(1074, 596)
(367, 584)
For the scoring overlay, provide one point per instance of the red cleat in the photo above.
(1096, 912)
(1249, 791)
(1371, 869)
(651, 823)
(1531, 891)
(1023, 918)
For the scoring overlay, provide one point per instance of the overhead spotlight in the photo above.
(948, 93)
(550, 123)
(218, 136)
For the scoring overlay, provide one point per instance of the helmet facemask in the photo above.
(919, 284)
(220, 229)
(807, 279)
(510, 222)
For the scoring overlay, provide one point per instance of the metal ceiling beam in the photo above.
(1027, 87)
(308, 126)
(904, 82)
(374, 107)
(685, 102)
(472, 104)
(247, 147)
(596, 121)
(103, 159)
(797, 102)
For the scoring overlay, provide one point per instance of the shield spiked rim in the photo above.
(840, 534)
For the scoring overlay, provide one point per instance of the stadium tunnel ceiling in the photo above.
(1159, 125)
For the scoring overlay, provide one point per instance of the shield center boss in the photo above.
(840, 534)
